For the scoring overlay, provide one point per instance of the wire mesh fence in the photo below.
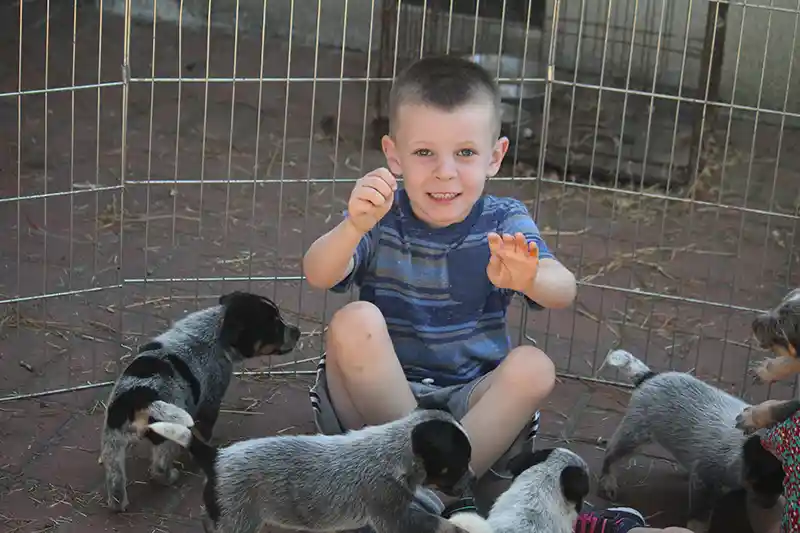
(159, 155)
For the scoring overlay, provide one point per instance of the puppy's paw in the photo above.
(118, 501)
(165, 476)
(764, 371)
(607, 487)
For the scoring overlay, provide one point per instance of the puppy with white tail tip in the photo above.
(324, 483)
(696, 423)
(180, 377)
(546, 495)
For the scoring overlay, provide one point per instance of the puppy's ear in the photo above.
(444, 449)
(523, 461)
(575, 485)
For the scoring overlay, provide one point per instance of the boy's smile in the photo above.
(444, 197)
(445, 157)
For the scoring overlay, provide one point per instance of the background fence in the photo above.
(158, 154)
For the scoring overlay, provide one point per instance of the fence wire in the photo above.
(165, 157)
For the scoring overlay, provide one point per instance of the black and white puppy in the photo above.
(182, 376)
(758, 504)
(737, 512)
(692, 420)
(546, 494)
(762, 473)
(332, 482)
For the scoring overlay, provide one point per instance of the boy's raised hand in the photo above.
(513, 263)
(371, 199)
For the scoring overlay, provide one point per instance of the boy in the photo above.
(437, 263)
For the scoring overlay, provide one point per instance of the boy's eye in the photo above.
(466, 152)
(424, 152)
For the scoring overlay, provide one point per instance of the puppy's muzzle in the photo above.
(291, 335)
(463, 485)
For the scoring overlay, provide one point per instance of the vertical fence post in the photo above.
(126, 86)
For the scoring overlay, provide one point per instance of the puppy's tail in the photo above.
(470, 522)
(634, 368)
(168, 412)
(202, 452)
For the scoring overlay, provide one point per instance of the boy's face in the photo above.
(444, 158)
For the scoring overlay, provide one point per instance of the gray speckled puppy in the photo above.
(546, 495)
(181, 376)
(694, 421)
(332, 483)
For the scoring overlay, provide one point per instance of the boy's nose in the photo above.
(446, 170)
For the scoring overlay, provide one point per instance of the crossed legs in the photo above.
(368, 387)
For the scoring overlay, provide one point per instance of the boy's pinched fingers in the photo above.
(370, 195)
(377, 184)
(386, 176)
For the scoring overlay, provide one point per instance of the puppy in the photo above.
(778, 330)
(737, 513)
(757, 506)
(692, 420)
(546, 494)
(762, 473)
(332, 482)
(181, 376)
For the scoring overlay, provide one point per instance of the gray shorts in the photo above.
(454, 399)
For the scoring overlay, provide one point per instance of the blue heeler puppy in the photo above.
(689, 418)
(182, 376)
(546, 494)
(327, 483)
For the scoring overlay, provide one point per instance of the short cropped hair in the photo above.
(446, 82)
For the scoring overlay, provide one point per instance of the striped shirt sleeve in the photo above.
(518, 219)
(361, 260)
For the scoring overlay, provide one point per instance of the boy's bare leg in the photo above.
(364, 377)
(368, 386)
(504, 403)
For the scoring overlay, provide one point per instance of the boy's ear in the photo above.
(390, 151)
(498, 153)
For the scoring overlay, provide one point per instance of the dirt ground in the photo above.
(670, 280)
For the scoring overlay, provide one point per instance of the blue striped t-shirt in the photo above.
(446, 319)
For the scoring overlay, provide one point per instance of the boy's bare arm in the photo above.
(330, 258)
(554, 286)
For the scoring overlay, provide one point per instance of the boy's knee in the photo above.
(364, 316)
(353, 324)
(529, 372)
